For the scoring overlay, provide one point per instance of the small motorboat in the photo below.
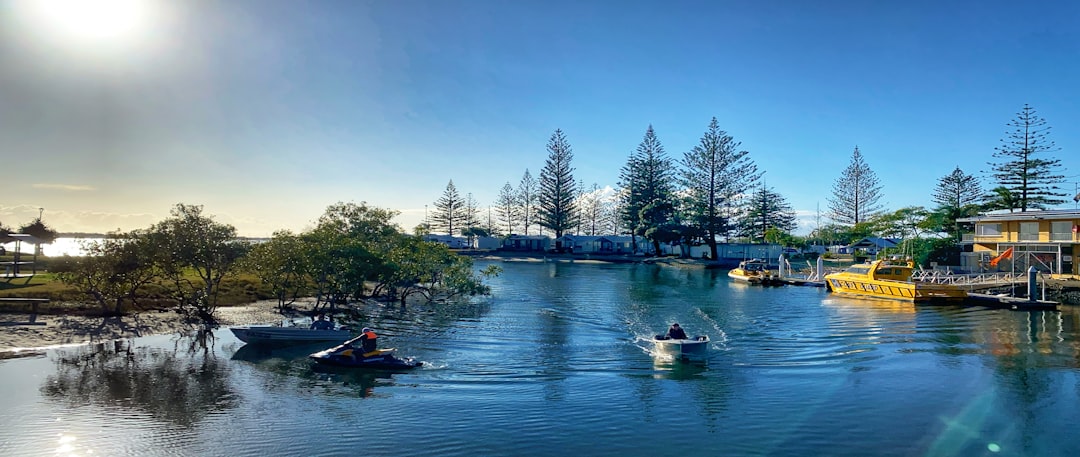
(347, 355)
(268, 334)
(754, 271)
(695, 348)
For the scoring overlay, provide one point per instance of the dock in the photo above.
(1006, 302)
(802, 282)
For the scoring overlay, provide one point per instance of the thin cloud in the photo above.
(65, 187)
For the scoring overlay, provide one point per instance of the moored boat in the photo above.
(348, 355)
(690, 348)
(882, 279)
(754, 271)
(267, 334)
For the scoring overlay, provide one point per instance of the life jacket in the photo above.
(368, 344)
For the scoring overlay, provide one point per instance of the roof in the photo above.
(581, 237)
(529, 237)
(25, 238)
(1054, 214)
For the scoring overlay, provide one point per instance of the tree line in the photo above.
(353, 252)
(715, 191)
(701, 198)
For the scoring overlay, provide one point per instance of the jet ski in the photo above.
(347, 355)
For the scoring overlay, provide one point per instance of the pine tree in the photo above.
(855, 193)
(449, 211)
(557, 186)
(507, 209)
(957, 190)
(766, 210)
(1033, 180)
(527, 195)
(648, 176)
(958, 195)
(715, 173)
(472, 214)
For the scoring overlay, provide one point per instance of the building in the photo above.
(526, 243)
(453, 242)
(605, 244)
(872, 245)
(1046, 240)
(579, 244)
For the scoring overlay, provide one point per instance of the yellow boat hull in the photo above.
(883, 280)
(897, 290)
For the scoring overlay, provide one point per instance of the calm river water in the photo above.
(558, 362)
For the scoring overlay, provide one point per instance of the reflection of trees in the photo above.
(180, 385)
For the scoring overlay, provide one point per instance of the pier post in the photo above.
(1033, 285)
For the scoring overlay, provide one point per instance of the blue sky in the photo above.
(265, 112)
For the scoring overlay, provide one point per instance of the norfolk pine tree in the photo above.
(449, 211)
(526, 200)
(713, 172)
(855, 193)
(766, 210)
(648, 176)
(1033, 180)
(957, 195)
(557, 187)
(506, 208)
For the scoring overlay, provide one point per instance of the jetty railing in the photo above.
(974, 279)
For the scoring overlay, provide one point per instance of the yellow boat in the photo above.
(881, 279)
(754, 271)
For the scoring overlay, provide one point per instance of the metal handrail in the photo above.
(939, 277)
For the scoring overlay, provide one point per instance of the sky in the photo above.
(266, 112)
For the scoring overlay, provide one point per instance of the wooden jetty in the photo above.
(802, 282)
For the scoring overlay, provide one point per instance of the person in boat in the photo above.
(368, 340)
(321, 323)
(676, 332)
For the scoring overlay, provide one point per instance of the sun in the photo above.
(90, 22)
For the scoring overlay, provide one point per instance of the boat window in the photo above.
(861, 270)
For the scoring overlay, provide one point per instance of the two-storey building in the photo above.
(1046, 240)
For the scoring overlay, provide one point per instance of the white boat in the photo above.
(691, 348)
(284, 335)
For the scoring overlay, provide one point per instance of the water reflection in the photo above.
(678, 370)
(180, 386)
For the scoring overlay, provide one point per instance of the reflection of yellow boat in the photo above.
(880, 279)
(753, 271)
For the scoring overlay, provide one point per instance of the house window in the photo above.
(1061, 231)
(1029, 231)
(988, 229)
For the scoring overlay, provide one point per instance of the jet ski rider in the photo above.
(368, 340)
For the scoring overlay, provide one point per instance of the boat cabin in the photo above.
(880, 269)
(753, 265)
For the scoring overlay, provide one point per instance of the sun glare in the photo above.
(90, 22)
